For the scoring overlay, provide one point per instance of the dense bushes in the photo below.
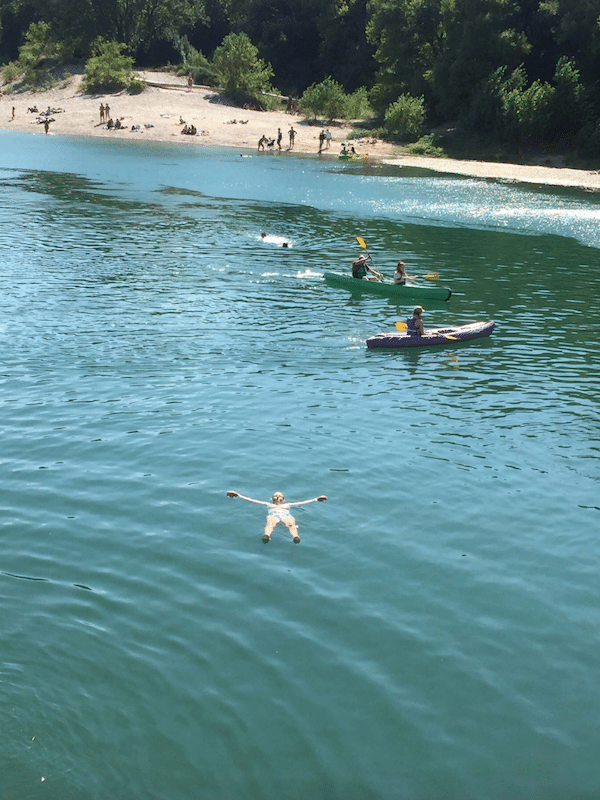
(405, 118)
(109, 68)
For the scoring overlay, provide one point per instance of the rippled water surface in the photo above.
(435, 635)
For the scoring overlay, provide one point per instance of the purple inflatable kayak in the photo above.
(433, 336)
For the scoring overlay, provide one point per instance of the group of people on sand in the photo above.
(324, 140)
(270, 143)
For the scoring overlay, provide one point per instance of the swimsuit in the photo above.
(279, 511)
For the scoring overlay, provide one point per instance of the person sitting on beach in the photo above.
(414, 324)
(360, 269)
(279, 511)
(110, 124)
(262, 142)
(400, 275)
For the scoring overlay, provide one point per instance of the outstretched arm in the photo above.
(249, 499)
(320, 498)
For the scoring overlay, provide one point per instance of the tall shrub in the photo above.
(405, 118)
(109, 68)
(241, 72)
(325, 99)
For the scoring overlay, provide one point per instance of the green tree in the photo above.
(326, 99)
(358, 105)
(404, 119)
(39, 51)
(306, 40)
(196, 64)
(408, 38)
(109, 68)
(576, 30)
(528, 115)
(137, 23)
(242, 73)
(480, 36)
(568, 112)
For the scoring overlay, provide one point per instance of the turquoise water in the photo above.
(435, 635)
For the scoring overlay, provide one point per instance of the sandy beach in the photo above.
(158, 114)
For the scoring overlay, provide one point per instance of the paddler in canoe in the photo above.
(400, 275)
(360, 268)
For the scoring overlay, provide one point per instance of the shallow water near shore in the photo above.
(435, 635)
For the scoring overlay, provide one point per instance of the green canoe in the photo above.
(406, 292)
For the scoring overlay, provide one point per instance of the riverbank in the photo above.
(161, 112)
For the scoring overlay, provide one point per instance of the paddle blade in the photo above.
(401, 326)
(447, 336)
(434, 276)
(361, 242)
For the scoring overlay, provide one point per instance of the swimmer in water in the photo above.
(279, 511)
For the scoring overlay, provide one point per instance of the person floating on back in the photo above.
(279, 511)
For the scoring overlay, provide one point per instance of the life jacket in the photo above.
(411, 327)
(359, 269)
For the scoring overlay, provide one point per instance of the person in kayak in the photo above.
(414, 324)
(279, 511)
(400, 275)
(360, 268)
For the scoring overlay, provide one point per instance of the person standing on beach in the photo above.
(101, 112)
(279, 137)
(292, 135)
(46, 124)
(328, 138)
(322, 136)
(106, 111)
